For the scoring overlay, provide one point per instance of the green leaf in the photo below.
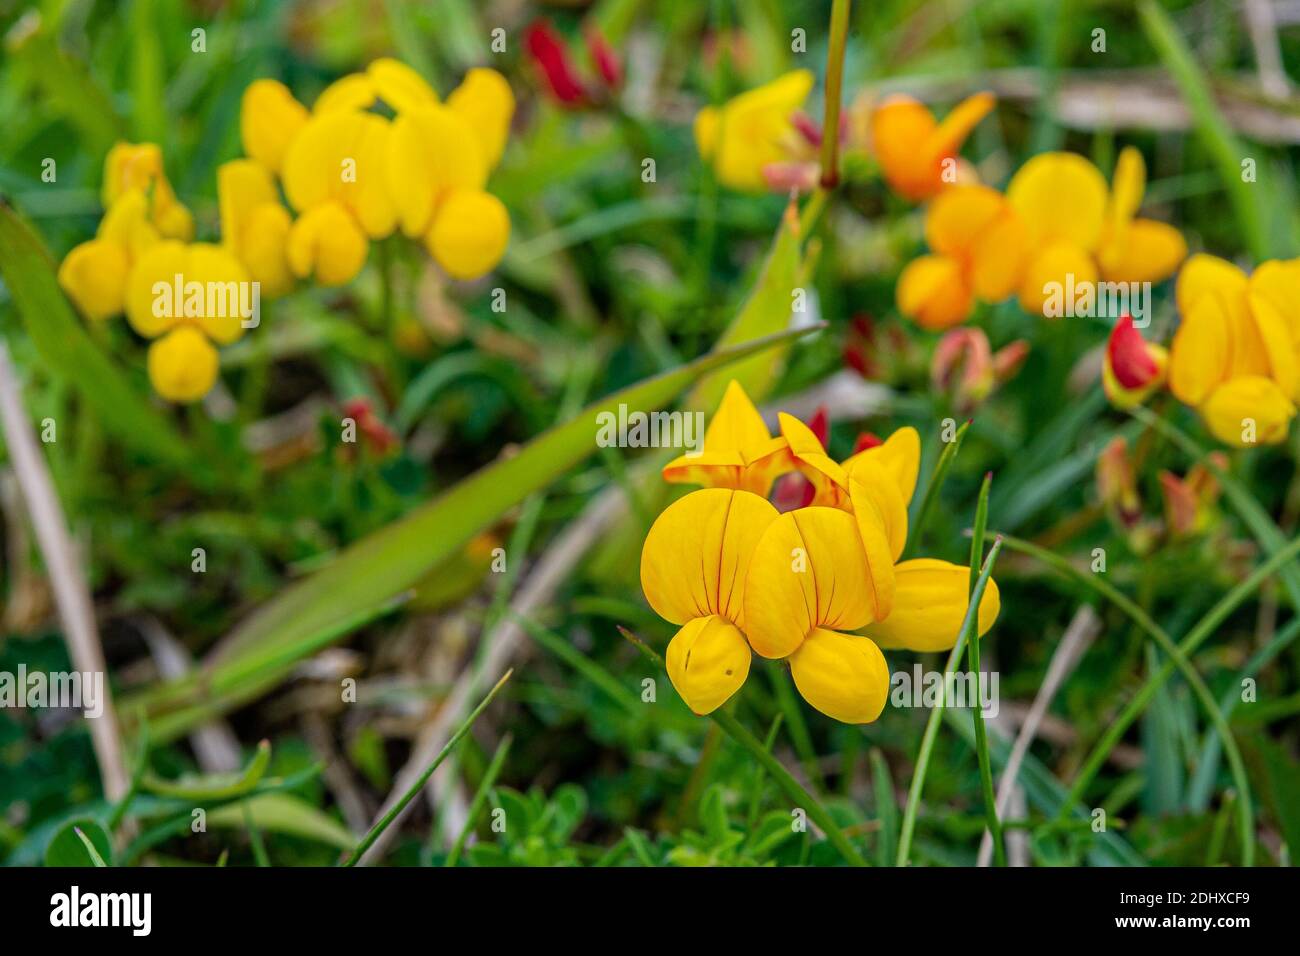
(80, 842)
(61, 338)
(217, 786)
(765, 312)
(286, 814)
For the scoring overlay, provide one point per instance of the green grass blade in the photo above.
(480, 798)
(416, 787)
(932, 722)
(918, 521)
(72, 356)
(220, 786)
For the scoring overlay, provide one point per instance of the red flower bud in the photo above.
(1133, 365)
(606, 60)
(867, 440)
(551, 56)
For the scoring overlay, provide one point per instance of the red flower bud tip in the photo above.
(551, 57)
(963, 363)
(606, 60)
(1008, 360)
(820, 424)
(1130, 360)
(808, 128)
(376, 433)
(1180, 504)
(867, 440)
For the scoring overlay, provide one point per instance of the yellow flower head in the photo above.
(94, 273)
(269, 119)
(1235, 354)
(912, 148)
(138, 167)
(978, 243)
(753, 130)
(254, 225)
(740, 577)
(1079, 230)
(183, 365)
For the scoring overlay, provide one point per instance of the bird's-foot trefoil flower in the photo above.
(754, 130)
(1234, 355)
(918, 155)
(819, 586)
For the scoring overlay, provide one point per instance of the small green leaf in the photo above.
(80, 842)
(217, 786)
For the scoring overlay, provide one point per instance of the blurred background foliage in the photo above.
(610, 279)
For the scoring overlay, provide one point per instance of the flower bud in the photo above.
(1133, 368)
(963, 367)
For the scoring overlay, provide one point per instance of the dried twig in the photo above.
(71, 595)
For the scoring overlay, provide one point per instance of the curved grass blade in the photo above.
(480, 798)
(918, 521)
(1179, 657)
(90, 847)
(219, 786)
(932, 723)
(416, 787)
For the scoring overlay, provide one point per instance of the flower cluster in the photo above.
(820, 586)
(1058, 229)
(349, 173)
(761, 140)
(1236, 354)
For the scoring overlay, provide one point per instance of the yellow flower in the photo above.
(94, 273)
(912, 148)
(130, 167)
(1079, 230)
(978, 244)
(738, 576)
(254, 226)
(182, 365)
(269, 119)
(184, 295)
(753, 130)
(1234, 356)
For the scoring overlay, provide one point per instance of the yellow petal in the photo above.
(697, 554)
(842, 675)
(93, 275)
(1279, 349)
(356, 91)
(242, 186)
(705, 129)
(1061, 197)
(752, 130)
(957, 125)
(1143, 251)
(139, 167)
(254, 226)
(150, 288)
(930, 601)
(399, 86)
(1279, 283)
(1204, 273)
(1045, 287)
(879, 540)
(707, 661)
(736, 425)
(343, 156)
(1128, 185)
(809, 570)
(826, 475)
(327, 243)
(182, 365)
(266, 249)
(1247, 411)
(998, 261)
(871, 483)
(1201, 351)
(959, 216)
(900, 128)
(430, 152)
(470, 233)
(486, 102)
(899, 456)
(127, 223)
(269, 119)
(226, 288)
(933, 293)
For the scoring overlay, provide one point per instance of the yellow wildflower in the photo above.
(917, 155)
(738, 576)
(93, 274)
(1234, 356)
(753, 130)
(254, 225)
(130, 167)
(978, 243)
(1079, 230)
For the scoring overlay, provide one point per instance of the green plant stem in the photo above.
(784, 779)
(931, 494)
(973, 665)
(1179, 655)
(416, 787)
(255, 838)
(839, 33)
(932, 723)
